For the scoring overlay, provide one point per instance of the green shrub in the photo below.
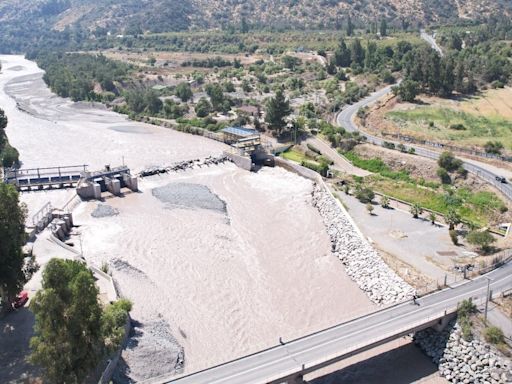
(458, 127)
(365, 195)
(314, 149)
(9, 156)
(453, 236)
(494, 335)
(324, 159)
(319, 168)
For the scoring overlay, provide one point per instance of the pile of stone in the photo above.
(361, 261)
(462, 361)
(185, 165)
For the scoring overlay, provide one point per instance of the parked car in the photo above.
(501, 179)
(20, 300)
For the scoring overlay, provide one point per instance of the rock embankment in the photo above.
(361, 261)
(462, 361)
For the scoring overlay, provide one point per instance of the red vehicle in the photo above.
(20, 300)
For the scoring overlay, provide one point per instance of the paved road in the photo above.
(346, 119)
(431, 39)
(340, 163)
(314, 350)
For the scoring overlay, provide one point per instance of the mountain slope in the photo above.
(24, 23)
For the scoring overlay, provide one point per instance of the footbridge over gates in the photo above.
(289, 361)
(41, 178)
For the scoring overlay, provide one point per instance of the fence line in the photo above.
(434, 144)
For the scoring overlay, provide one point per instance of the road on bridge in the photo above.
(310, 352)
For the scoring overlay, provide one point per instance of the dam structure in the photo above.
(92, 184)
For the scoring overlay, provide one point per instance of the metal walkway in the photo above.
(40, 178)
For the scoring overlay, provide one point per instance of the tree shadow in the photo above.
(16, 329)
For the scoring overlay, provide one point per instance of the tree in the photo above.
(493, 147)
(384, 202)
(449, 162)
(452, 218)
(370, 208)
(416, 210)
(203, 107)
(244, 27)
(350, 27)
(291, 62)
(357, 52)
(481, 239)
(153, 102)
(113, 321)
(12, 239)
(68, 341)
(407, 90)
(184, 92)
(3, 119)
(278, 108)
(342, 55)
(364, 195)
(432, 217)
(383, 28)
(216, 96)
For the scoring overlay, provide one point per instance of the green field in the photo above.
(441, 123)
(481, 208)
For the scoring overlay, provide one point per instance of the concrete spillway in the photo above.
(92, 184)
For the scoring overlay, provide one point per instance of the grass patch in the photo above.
(294, 155)
(480, 208)
(437, 123)
(378, 166)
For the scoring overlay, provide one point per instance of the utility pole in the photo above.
(487, 299)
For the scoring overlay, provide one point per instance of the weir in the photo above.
(92, 184)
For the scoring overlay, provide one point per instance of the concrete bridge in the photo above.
(40, 178)
(291, 360)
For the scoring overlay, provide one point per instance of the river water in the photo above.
(218, 262)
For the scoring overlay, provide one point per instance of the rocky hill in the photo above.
(173, 15)
(27, 25)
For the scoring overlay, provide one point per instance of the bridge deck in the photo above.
(27, 179)
(323, 348)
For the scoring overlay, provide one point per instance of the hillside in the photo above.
(173, 15)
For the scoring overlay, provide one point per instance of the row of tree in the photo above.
(76, 75)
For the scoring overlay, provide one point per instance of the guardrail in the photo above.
(454, 148)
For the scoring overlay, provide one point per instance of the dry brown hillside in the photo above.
(172, 15)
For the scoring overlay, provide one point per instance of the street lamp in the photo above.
(487, 298)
